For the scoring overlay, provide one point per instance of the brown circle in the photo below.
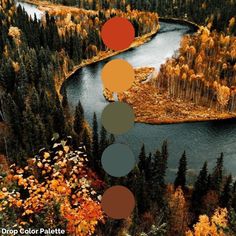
(118, 202)
(117, 75)
(118, 33)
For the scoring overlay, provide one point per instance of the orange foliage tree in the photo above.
(178, 211)
(204, 71)
(215, 226)
(56, 184)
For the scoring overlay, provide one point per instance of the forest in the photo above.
(33, 64)
(50, 169)
(202, 12)
(204, 71)
(61, 187)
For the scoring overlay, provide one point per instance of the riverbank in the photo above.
(105, 55)
(193, 25)
(154, 107)
(109, 53)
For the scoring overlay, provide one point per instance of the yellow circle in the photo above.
(117, 75)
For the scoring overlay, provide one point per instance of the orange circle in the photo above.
(118, 33)
(117, 75)
(118, 202)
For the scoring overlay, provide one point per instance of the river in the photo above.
(202, 141)
(30, 9)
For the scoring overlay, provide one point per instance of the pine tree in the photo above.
(158, 172)
(95, 143)
(142, 159)
(79, 120)
(226, 194)
(64, 102)
(149, 167)
(200, 188)
(103, 141)
(217, 175)
(141, 193)
(233, 202)
(163, 164)
(86, 139)
(137, 184)
(155, 181)
(58, 118)
(181, 174)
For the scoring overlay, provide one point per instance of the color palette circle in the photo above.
(118, 33)
(118, 118)
(117, 75)
(118, 202)
(118, 160)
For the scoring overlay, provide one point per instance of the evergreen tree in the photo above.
(86, 139)
(135, 181)
(141, 194)
(103, 141)
(79, 119)
(149, 172)
(158, 172)
(233, 202)
(142, 159)
(226, 194)
(155, 180)
(200, 188)
(95, 143)
(163, 163)
(217, 175)
(64, 102)
(58, 118)
(181, 174)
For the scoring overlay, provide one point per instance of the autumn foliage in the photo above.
(56, 184)
(178, 219)
(213, 226)
(204, 71)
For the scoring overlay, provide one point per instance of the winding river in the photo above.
(202, 141)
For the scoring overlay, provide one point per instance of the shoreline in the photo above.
(103, 55)
(172, 121)
(155, 107)
(195, 26)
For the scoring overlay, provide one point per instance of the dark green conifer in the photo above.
(181, 174)
(226, 195)
(79, 119)
(217, 175)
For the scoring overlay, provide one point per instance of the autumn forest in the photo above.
(51, 174)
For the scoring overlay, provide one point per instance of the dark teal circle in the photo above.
(118, 160)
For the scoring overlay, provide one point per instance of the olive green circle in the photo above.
(118, 117)
(118, 160)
